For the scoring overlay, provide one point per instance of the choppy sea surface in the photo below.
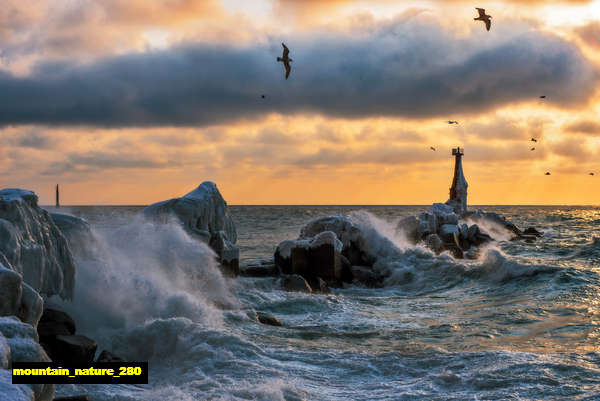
(520, 323)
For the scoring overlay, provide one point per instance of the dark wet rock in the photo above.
(427, 225)
(10, 291)
(472, 233)
(532, 231)
(259, 270)
(410, 226)
(267, 318)
(54, 316)
(70, 349)
(107, 356)
(366, 276)
(295, 282)
(448, 232)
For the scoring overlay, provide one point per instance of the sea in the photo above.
(521, 322)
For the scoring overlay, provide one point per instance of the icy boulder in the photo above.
(203, 213)
(32, 245)
(19, 299)
(78, 233)
(18, 343)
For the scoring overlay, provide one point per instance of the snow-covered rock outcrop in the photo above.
(32, 245)
(204, 215)
(19, 343)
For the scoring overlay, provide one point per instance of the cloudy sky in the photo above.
(136, 101)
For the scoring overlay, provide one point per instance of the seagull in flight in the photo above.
(591, 173)
(484, 17)
(452, 122)
(533, 140)
(547, 173)
(432, 148)
(262, 96)
(532, 148)
(543, 97)
(286, 60)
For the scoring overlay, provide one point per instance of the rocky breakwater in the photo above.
(442, 229)
(34, 259)
(330, 251)
(203, 214)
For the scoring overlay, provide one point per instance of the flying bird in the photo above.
(591, 173)
(543, 97)
(533, 140)
(452, 122)
(262, 96)
(532, 148)
(432, 148)
(547, 173)
(484, 17)
(286, 60)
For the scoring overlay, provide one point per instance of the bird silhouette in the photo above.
(286, 60)
(533, 140)
(484, 17)
(262, 96)
(532, 148)
(452, 122)
(543, 97)
(547, 173)
(591, 173)
(432, 148)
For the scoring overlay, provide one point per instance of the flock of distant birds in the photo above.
(487, 19)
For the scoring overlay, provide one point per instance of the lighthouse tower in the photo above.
(458, 191)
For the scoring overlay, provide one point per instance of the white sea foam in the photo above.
(143, 271)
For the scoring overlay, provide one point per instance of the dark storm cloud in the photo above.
(408, 69)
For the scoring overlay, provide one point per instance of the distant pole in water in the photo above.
(57, 197)
(458, 191)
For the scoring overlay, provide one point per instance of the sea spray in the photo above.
(142, 271)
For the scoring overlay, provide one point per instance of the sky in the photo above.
(137, 101)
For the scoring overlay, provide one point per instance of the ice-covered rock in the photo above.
(32, 245)
(10, 291)
(448, 232)
(295, 282)
(444, 214)
(31, 306)
(78, 233)
(21, 339)
(204, 215)
(434, 242)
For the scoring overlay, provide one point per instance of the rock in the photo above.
(295, 282)
(447, 233)
(10, 291)
(428, 224)
(204, 215)
(410, 226)
(495, 218)
(78, 233)
(32, 245)
(472, 233)
(107, 356)
(300, 261)
(18, 343)
(71, 349)
(58, 317)
(533, 231)
(267, 318)
(74, 397)
(434, 242)
(444, 214)
(259, 270)
(366, 276)
(463, 230)
(31, 307)
(324, 257)
(322, 286)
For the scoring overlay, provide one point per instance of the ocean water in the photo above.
(519, 323)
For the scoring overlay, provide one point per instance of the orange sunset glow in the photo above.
(131, 101)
